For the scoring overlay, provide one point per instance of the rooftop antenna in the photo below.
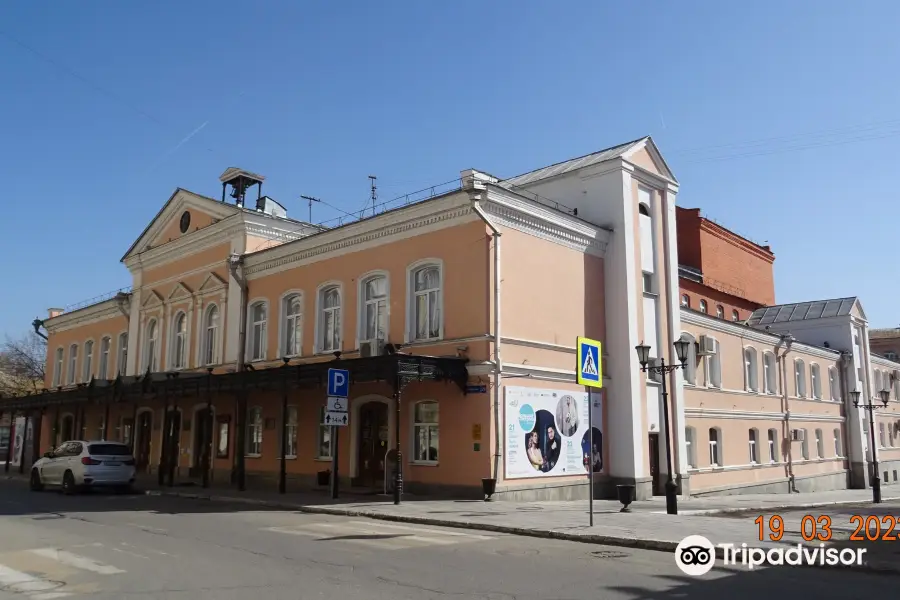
(372, 179)
(311, 200)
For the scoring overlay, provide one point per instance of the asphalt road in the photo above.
(107, 546)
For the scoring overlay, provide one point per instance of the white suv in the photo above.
(78, 465)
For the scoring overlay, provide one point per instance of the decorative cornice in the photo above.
(750, 415)
(102, 311)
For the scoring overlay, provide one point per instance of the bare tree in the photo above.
(22, 364)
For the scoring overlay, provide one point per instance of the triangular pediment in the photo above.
(857, 310)
(180, 292)
(167, 225)
(152, 299)
(211, 283)
(647, 156)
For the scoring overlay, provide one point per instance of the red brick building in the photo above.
(720, 272)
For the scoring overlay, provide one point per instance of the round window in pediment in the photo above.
(185, 221)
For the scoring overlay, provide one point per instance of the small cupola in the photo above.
(240, 180)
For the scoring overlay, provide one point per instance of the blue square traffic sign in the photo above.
(339, 382)
(589, 370)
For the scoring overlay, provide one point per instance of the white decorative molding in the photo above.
(153, 300)
(754, 335)
(102, 311)
(180, 293)
(751, 415)
(539, 345)
(212, 283)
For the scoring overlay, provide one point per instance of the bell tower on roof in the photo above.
(240, 180)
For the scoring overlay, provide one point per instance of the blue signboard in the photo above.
(589, 369)
(339, 382)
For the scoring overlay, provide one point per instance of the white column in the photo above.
(134, 326)
(232, 318)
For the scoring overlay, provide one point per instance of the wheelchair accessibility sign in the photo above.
(589, 370)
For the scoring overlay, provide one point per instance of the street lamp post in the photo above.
(876, 480)
(681, 350)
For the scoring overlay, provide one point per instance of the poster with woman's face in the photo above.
(547, 433)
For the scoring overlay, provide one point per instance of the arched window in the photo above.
(425, 432)
(374, 309)
(211, 336)
(751, 369)
(426, 302)
(820, 444)
(87, 364)
(330, 319)
(258, 337)
(837, 442)
(834, 384)
(685, 301)
(804, 445)
(690, 442)
(123, 354)
(703, 308)
(178, 353)
(816, 379)
(58, 368)
(754, 446)
(291, 450)
(715, 449)
(254, 431)
(690, 370)
(799, 378)
(773, 445)
(735, 316)
(714, 366)
(770, 373)
(150, 345)
(103, 369)
(292, 325)
(879, 384)
(720, 311)
(881, 443)
(73, 364)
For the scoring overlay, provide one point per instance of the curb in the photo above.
(783, 507)
(597, 539)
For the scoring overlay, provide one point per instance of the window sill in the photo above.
(288, 457)
(424, 463)
(253, 456)
(322, 459)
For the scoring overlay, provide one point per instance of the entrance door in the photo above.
(373, 443)
(200, 441)
(654, 463)
(66, 429)
(143, 433)
(174, 452)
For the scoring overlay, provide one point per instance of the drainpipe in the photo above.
(787, 339)
(236, 267)
(674, 446)
(37, 324)
(843, 362)
(498, 363)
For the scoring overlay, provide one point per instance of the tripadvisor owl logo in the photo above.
(695, 555)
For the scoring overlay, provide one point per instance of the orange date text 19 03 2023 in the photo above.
(820, 528)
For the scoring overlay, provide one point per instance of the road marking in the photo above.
(74, 560)
(394, 537)
(440, 532)
(23, 583)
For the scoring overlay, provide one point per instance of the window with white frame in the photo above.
(292, 325)
(374, 309)
(685, 301)
(426, 303)
(323, 437)
(103, 367)
(259, 316)
(58, 368)
(211, 335)
(703, 307)
(834, 384)
(753, 444)
(773, 445)
(799, 378)
(881, 435)
(178, 353)
(816, 379)
(254, 431)
(87, 363)
(715, 450)
(73, 364)
(150, 345)
(714, 366)
(720, 311)
(330, 319)
(291, 428)
(804, 445)
(770, 373)
(425, 432)
(820, 444)
(122, 351)
(647, 281)
(690, 370)
(837, 442)
(690, 442)
(735, 316)
(751, 369)
(878, 383)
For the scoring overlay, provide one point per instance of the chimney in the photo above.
(54, 312)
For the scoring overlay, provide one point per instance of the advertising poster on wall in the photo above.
(18, 441)
(547, 433)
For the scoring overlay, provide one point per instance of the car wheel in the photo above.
(36, 484)
(68, 483)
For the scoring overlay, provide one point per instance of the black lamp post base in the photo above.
(876, 490)
(671, 498)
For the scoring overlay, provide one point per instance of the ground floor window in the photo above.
(425, 425)
(291, 433)
(126, 431)
(254, 431)
(323, 439)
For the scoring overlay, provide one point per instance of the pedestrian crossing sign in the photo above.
(589, 370)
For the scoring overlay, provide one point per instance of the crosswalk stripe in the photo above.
(74, 560)
(395, 536)
(23, 583)
(441, 532)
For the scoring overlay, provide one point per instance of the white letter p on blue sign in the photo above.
(339, 382)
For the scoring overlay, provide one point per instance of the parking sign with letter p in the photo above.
(339, 382)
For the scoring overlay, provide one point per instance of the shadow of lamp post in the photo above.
(660, 367)
(885, 395)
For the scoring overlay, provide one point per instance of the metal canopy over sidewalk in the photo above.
(395, 369)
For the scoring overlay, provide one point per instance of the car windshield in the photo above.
(109, 449)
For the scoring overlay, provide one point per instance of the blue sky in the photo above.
(780, 119)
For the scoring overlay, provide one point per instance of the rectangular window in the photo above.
(254, 432)
(754, 459)
(773, 446)
(123, 354)
(426, 432)
(291, 432)
(323, 439)
(224, 432)
(648, 283)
